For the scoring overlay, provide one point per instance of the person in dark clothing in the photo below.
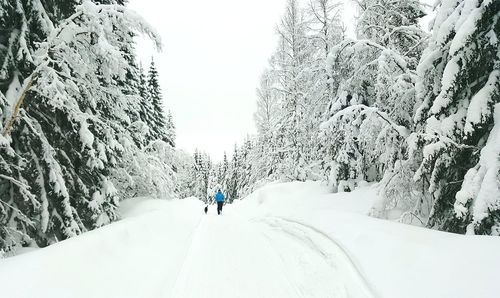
(219, 198)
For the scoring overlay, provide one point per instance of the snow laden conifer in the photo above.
(233, 176)
(14, 223)
(24, 25)
(185, 173)
(66, 126)
(457, 117)
(246, 167)
(145, 109)
(146, 164)
(224, 169)
(158, 126)
(202, 175)
(170, 125)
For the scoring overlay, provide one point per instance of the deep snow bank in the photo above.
(139, 256)
(398, 260)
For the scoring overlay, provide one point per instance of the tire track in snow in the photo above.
(331, 250)
(230, 258)
(180, 279)
(299, 291)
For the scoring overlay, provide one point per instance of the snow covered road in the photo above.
(175, 251)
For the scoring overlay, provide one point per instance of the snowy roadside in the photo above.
(397, 259)
(138, 256)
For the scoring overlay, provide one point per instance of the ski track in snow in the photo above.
(194, 241)
(229, 258)
(353, 280)
(187, 263)
(265, 257)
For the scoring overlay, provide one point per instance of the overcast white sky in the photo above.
(213, 54)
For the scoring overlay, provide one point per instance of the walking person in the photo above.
(219, 198)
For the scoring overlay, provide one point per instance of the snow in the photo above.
(478, 109)
(138, 256)
(284, 240)
(12, 94)
(481, 183)
(97, 200)
(398, 260)
(448, 80)
(44, 20)
(492, 37)
(445, 20)
(86, 137)
(466, 25)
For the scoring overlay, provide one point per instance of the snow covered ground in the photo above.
(397, 260)
(284, 240)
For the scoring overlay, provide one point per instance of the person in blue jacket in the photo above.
(219, 198)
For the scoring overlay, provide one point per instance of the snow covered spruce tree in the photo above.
(147, 164)
(202, 172)
(458, 117)
(246, 162)
(170, 126)
(10, 235)
(159, 128)
(65, 118)
(223, 172)
(185, 174)
(24, 24)
(141, 129)
(374, 78)
(233, 176)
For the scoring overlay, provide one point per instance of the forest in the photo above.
(416, 110)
